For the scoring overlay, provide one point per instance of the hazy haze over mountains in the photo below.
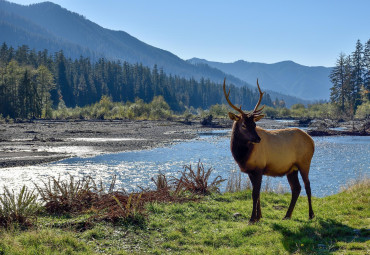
(49, 26)
(287, 77)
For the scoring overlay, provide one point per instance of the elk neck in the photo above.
(240, 148)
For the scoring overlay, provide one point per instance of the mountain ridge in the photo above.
(286, 76)
(56, 28)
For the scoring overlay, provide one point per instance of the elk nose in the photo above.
(258, 139)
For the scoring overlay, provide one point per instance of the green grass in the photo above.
(341, 226)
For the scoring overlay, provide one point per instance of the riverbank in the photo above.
(216, 224)
(46, 141)
(42, 141)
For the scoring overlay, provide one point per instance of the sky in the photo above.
(311, 33)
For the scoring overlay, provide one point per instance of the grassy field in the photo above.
(217, 224)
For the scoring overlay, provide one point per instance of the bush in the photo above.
(17, 208)
(219, 110)
(271, 112)
(64, 196)
(363, 111)
(197, 182)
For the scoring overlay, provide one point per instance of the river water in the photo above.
(337, 161)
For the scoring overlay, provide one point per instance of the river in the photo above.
(337, 161)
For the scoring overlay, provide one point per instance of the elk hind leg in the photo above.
(307, 187)
(296, 190)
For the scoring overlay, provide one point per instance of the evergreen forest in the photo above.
(351, 82)
(33, 83)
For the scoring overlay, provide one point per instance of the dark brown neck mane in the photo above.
(240, 148)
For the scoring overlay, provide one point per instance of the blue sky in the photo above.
(310, 33)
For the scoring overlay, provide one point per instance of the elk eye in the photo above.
(244, 126)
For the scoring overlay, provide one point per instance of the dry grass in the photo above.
(197, 181)
(235, 182)
(161, 182)
(67, 196)
(76, 196)
(362, 182)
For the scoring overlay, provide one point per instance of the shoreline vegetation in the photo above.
(185, 215)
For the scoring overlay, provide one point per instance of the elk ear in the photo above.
(258, 117)
(234, 117)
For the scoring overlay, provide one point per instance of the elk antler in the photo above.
(257, 111)
(228, 100)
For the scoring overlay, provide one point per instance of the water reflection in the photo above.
(336, 160)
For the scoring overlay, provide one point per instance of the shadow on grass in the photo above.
(321, 237)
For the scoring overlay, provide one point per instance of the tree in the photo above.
(24, 95)
(366, 61)
(340, 76)
(12, 75)
(45, 83)
(357, 74)
(63, 83)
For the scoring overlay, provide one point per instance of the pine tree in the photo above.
(62, 81)
(24, 95)
(366, 61)
(11, 80)
(340, 76)
(357, 74)
(45, 83)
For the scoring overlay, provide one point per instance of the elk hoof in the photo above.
(311, 216)
(287, 218)
(252, 221)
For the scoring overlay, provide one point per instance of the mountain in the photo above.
(49, 26)
(287, 77)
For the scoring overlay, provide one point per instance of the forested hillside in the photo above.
(32, 83)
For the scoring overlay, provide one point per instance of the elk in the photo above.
(274, 153)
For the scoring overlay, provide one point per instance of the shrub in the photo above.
(128, 212)
(197, 182)
(363, 111)
(17, 208)
(2, 119)
(219, 110)
(271, 112)
(161, 182)
(67, 195)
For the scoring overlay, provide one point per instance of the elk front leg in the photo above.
(256, 179)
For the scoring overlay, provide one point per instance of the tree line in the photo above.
(33, 83)
(351, 82)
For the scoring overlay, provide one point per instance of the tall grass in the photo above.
(361, 182)
(236, 183)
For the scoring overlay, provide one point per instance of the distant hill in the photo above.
(49, 26)
(287, 77)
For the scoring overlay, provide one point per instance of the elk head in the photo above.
(245, 123)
